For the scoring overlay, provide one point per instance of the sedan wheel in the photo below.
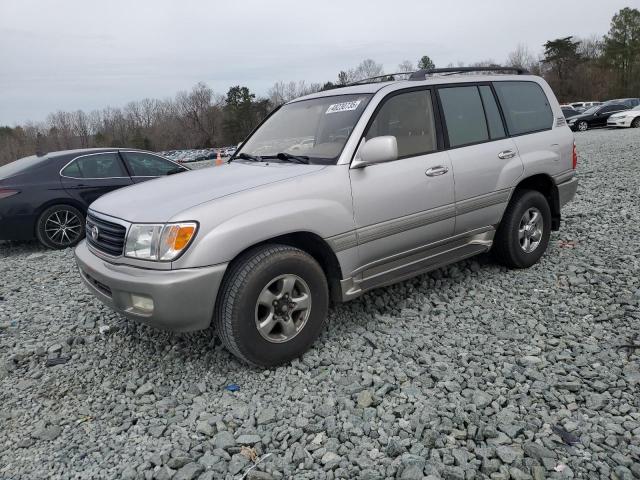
(636, 122)
(60, 226)
(583, 126)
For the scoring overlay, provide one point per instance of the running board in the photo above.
(424, 259)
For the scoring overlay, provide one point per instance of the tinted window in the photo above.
(20, 166)
(612, 108)
(496, 128)
(145, 165)
(464, 115)
(525, 106)
(102, 165)
(409, 118)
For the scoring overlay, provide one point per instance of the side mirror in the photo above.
(376, 150)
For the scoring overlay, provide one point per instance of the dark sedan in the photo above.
(595, 116)
(47, 196)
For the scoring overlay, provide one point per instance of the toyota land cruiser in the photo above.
(396, 178)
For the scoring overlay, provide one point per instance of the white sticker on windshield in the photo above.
(343, 107)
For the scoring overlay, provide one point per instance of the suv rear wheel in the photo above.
(272, 305)
(523, 234)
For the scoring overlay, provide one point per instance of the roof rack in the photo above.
(381, 78)
(421, 74)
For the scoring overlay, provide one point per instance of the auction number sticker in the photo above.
(343, 107)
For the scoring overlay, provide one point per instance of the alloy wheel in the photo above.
(63, 227)
(530, 230)
(582, 126)
(283, 308)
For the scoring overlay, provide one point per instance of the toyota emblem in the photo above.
(94, 233)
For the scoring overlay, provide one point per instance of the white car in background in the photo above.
(628, 118)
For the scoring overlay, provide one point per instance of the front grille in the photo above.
(110, 236)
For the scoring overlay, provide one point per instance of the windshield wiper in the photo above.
(287, 157)
(245, 156)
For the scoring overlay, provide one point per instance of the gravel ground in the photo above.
(472, 371)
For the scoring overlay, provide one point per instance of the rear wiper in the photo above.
(287, 157)
(245, 156)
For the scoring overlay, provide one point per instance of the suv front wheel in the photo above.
(523, 234)
(272, 305)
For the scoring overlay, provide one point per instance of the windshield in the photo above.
(316, 128)
(591, 110)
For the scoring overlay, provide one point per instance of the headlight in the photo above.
(159, 242)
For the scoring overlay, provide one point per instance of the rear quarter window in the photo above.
(525, 107)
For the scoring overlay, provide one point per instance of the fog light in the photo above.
(142, 303)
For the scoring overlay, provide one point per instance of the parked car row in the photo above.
(623, 110)
(186, 156)
(197, 155)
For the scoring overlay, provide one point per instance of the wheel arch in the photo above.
(544, 184)
(315, 246)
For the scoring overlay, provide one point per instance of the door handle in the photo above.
(506, 154)
(436, 171)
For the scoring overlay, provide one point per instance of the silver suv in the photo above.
(334, 194)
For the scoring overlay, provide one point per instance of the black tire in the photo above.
(507, 246)
(236, 307)
(67, 215)
(635, 123)
(582, 126)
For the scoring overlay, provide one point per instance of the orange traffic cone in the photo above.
(218, 159)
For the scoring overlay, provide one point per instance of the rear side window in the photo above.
(408, 117)
(464, 115)
(525, 106)
(102, 165)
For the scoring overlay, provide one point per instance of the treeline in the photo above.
(595, 68)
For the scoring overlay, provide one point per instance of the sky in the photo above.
(84, 54)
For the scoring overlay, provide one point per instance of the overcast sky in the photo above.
(84, 54)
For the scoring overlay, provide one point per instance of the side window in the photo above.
(525, 106)
(613, 108)
(464, 115)
(101, 165)
(409, 117)
(145, 165)
(496, 128)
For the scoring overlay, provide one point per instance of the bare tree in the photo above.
(406, 67)
(521, 57)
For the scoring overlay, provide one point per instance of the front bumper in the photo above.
(183, 300)
(567, 190)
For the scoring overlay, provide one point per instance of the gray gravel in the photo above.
(471, 371)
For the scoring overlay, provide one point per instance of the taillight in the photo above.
(5, 192)
(574, 158)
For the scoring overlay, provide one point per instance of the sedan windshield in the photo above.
(315, 129)
(591, 110)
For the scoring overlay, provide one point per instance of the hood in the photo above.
(625, 113)
(162, 199)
